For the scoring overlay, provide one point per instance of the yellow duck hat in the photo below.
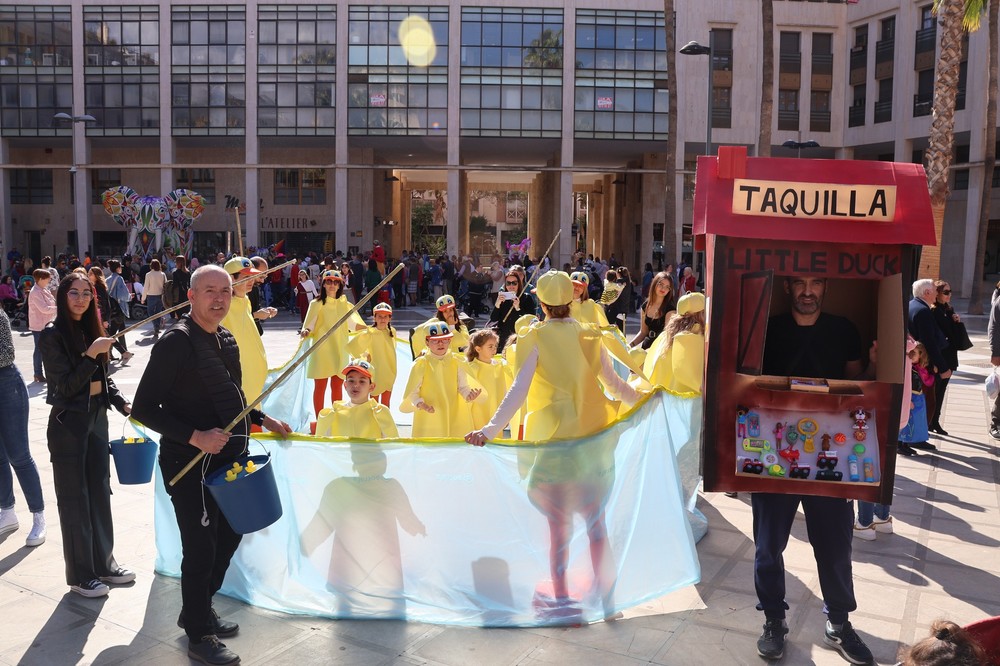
(445, 302)
(580, 278)
(689, 303)
(523, 322)
(439, 331)
(382, 307)
(240, 265)
(361, 365)
(554, 288)
(331, 275)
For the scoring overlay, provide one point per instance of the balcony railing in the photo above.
(859, 57)
(856, 115)
(926, 40)
(922, 104)
(790, 63)
(722, 117)
(788, 120)
(822, 63)
(883, 111)
(819, 121)
(884, 50)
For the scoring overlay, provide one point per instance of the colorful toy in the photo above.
(797, 471)
(829, 475)
(839, 438)
(825, 439)
(852, 468)
(869, 470)
(756, 445)
(753, 423)
(791, 436)
(789, 454)
(752, 466)
(826, 460)
(808, 429)
(251, 467)
(776, 470)
(859, 448)
(860, 435)
(779, 432)
(741, 421)
(231, 475)
(860, 417)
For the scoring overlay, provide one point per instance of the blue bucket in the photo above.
(134, 461)
(251, 502)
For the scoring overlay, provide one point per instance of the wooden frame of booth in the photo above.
(859, 224)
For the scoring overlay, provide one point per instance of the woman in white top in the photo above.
(152, 293)
(305, 292)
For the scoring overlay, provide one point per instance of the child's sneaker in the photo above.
(883, 526)
(36, 537)
(865, 533)
(91, 589)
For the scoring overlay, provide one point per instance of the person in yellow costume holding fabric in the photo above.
(564, 371)
(583, 308)
(240, 322)
(446, 313)
(489, 371)
(438, 391)
(323, 366)
(360, 416)
(676, 359)
(379, 343)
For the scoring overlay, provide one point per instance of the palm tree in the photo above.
(546, 51)
(989, 159)
(941, 141)
(670, 196)
(767, 79)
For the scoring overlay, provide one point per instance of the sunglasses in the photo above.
(513, 282)
(946, 292)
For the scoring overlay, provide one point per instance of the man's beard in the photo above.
(806, 307)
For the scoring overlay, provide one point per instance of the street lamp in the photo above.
(696, 49)
(799, 145)
(82, 200)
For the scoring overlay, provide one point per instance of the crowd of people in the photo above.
(540, 367)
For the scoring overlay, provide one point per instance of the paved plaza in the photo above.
(941, 562)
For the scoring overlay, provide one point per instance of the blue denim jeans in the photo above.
(14, 451)
(36, 357)
(867, 511)
(154, 305)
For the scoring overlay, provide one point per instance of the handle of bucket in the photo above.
(246, 449)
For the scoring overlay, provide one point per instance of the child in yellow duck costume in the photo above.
(360, 416)
(324, 365)
(438, 391)
(378, 342)
(239, 322)
(583, 308)
(446, 313)
(676, 359)
(563, 364)
(488, 371)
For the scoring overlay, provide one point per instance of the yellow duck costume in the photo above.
(239, 322)
(442, 383)
(681, 366)
(586, 311)
(369, 420)
(494, 378)
(380, 346)
(320, 317)
(418, 339)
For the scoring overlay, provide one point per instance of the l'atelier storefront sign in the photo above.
(814, 201)
(286, 223)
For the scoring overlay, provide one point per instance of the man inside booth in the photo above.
(807, 342)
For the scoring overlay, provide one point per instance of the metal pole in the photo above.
(711, 89)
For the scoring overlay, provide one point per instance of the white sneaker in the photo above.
(864, 533)
(8, 521)
(36, 537)
(883, 526)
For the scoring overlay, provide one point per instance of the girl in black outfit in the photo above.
(662, 301)
(180, 279)
(75, 356)
(499, 319)
(947, 320)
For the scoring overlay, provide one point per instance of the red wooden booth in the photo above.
(858, 225)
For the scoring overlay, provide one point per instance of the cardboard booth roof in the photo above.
(834, 201)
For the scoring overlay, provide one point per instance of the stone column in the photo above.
(360, 197)
(653, 210)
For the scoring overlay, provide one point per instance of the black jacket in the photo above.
(69, 374)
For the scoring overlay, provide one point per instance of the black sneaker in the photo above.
(210, 650)
(994, 432)
(923, 446)
(904, 449)
(847, 642)
(771, 644)
(220, 627)
(120, 576)
(91, 589)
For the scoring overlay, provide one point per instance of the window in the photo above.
(722, 49)
(856, 114)
(883, 106)
(31, 186)
(924, 97)
(102, 180)
(299, 187)
(121, 36)
(822, 43)
(201, 181)
(36, 36)
(861, 37)
(208, 91)
(388, 92)
(512, 71)
(927, 17)
(888, 28)
(819, 114)
(722, 107)
(618, 94)
(124, 104)
(961, 176)
(788, 110)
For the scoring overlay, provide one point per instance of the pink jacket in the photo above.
(41, 308)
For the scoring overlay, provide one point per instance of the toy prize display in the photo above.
(810, 264)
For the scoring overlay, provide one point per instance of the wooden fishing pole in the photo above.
(534, 276)
(291, 368)
(239, 229)
(185, 303)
